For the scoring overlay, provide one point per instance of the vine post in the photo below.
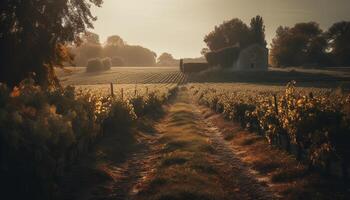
(112, 90)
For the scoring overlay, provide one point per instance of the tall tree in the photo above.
(338, 36)
(257, 29)
(115, 40)
(32, 32)
(229, 33)
(236, 32)
(302, 44)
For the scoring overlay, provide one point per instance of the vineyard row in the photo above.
(314, 126)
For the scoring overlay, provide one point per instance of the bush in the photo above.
(42, 132)
(120, 118)
(118, 61)
(315, 126)
(95, 65)
(138, 103)
(107, 63)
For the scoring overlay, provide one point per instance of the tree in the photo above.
(90, 38)
(302, 44)
(236, 33)
(279, 51)
(257, 29)
(132, 55)
(32, 34)
(89, 48)
(227, 39)
(135, 55)
(115, 40)
(166, 59)
(338, 37)
(204, 51)
(229, 33)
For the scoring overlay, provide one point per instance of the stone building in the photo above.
(252, 58)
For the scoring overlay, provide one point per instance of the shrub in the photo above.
(107, 63)
(316, 127)
(42, 131)
(95, 65)
(120, 118)
(138, 103)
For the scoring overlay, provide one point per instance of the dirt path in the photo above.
(186, 159)
(196, 162)
(235, 172)
(113, 170)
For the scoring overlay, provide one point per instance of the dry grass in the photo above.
(184, 170)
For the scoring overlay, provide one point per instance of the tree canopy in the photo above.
(257, 31)
(303, 44)
(115, 40)
(115, 48)
(166, 59)
(32, 34)
(338, 37)
(234, 32)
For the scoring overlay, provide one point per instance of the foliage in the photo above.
(223, 57)
(227, 39)
(257, 31)
(235, 32)
(43, 131)
(115, 40)
(307, 44)
(95, 65)
(121, 117)
(166, 59)
(338, 37)
(85, 52)
(316, 124)
(39, 27)
(228, 34)
(115, 48)
(132, 55)
(107, 63)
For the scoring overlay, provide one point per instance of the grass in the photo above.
(184, 170)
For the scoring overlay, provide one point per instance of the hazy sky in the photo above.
(179, 26)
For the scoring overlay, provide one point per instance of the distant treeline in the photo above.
(166, 59)
(305, 44)
(308, 44)
(115, 48)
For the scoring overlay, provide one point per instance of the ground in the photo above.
(319, 77)
(193, 153)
